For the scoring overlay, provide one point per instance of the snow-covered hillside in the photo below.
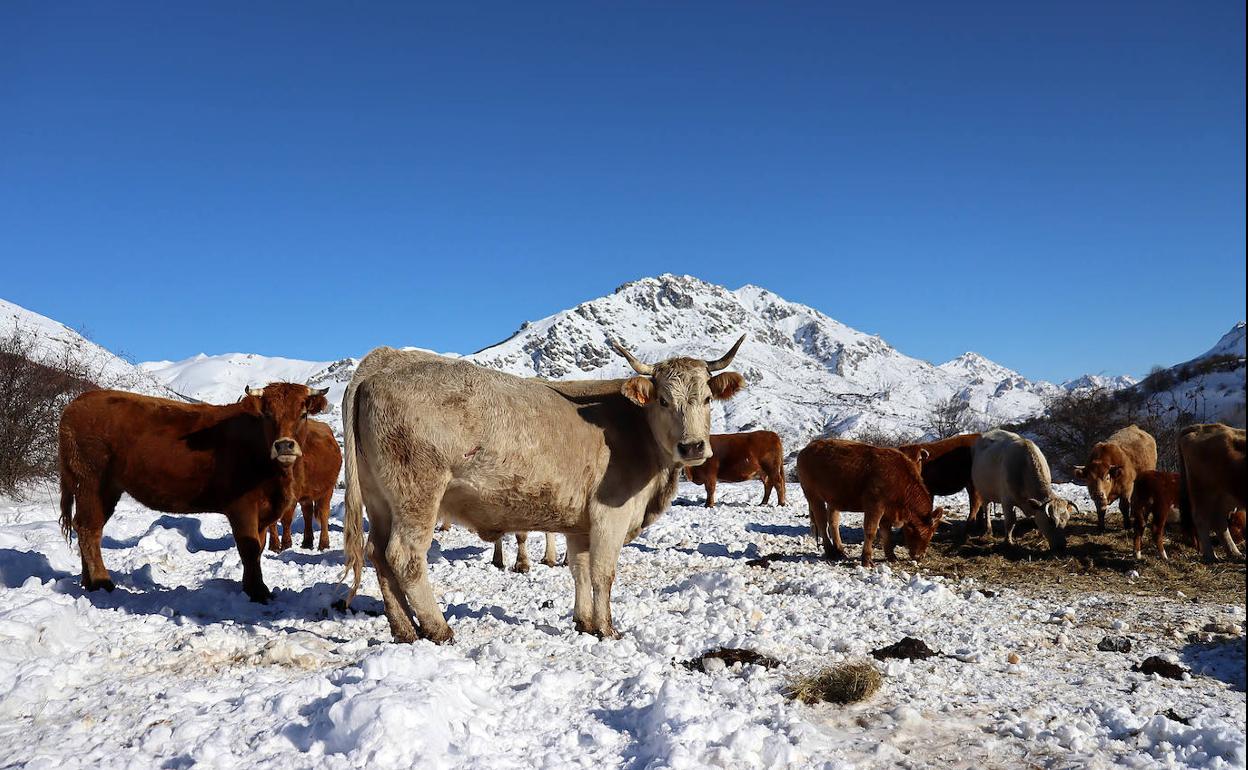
(55, 343)
(1209, 388)
(808, 374)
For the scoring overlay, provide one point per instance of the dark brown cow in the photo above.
(1156, 494)
(315, 478)
(882, 483)
(183, 458)
(741, 457)
(947, 470)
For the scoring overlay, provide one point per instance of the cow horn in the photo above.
(723, 361)
(638, 366)
(319, 391)
(257, 392)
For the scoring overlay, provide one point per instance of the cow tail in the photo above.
(65, 448)
(353, 517)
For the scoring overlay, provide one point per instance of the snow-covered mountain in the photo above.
(1208, 388)
(55, 344)
(807, 374)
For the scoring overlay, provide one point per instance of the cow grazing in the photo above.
(1155, 494)
(741, 457)
(238, 460)
(947, 470)
(316, 475)
(1010, 470)
(550, 558)
(883, 483)
(1112, 468)
(598, 460)
(1213, 483)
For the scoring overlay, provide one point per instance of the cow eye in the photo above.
(706, 400)
(663, 402)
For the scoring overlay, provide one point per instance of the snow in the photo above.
(176, 668)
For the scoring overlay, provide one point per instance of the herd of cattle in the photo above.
(432, 440)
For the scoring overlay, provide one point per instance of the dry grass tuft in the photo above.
(847, 682)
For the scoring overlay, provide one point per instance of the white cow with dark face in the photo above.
(429, 437)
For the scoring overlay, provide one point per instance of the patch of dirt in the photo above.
(731, 656)
(1094, 562)
(908, 648)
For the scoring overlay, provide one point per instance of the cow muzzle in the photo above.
(285, 451)
(693, 452)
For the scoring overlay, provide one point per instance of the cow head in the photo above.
(918, 530)
(676, 396)
(284, 407)
(1101, 476)
(1051, 517)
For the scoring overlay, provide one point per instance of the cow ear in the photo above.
(923, 455)
(316, 403)
(1079, 471)
(726, 384)
(639, 390)
(1115, 471)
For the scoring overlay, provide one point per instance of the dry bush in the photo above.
(948, 418)
(877, 436)
(33, 391)
(847, 682)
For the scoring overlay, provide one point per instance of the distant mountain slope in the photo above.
(808, 374)
(55, 342)
(1210, 387)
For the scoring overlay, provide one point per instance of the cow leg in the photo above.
(497, 561)
(977, 512)
(398, 613)
(819, 525)
(781, 493)
(246, 530)
(308, 509)
(1137, 519)
(766, 490)
(886, 533)
(710, 491)
(1228, 541)
(870, 527)
(1203, 539)
(1124, 507)
(551, 557)
(834, 526)
(1100, 517)
(322, 515)
(1160, 514)
(89, 524)
(578, 565)
(604, 554)
(522, 553)
(1008, 511)
(407, 551)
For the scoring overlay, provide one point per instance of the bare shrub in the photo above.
(949, 417)
(33, 391)
(876, 435)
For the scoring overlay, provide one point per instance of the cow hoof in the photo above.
(551, 563)
(610, 633)
(523, 569)
(835, 555)
(442, 636)
(96, 585)
(306, 545)
(261, 595)
(321, 547)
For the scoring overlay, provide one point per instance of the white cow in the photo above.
(1010, 470)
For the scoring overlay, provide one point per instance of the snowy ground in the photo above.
(177, 669)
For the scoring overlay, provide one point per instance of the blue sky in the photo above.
(1059, 186)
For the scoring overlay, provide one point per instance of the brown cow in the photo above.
(882, 483)
(315, 478)
(741, 457)
(1112, 468)
(1213, 483)
(947, 470)
(183, 458)
(1156, 494)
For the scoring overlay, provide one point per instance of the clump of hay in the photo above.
(847, 682)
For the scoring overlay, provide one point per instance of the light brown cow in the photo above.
(237, 459)
(1213, 483)
(742, 457)
(315, 478)
(598, 460)
(1112, 467)
(881, 482)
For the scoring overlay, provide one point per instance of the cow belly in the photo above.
(524, 506)
(738, 471)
